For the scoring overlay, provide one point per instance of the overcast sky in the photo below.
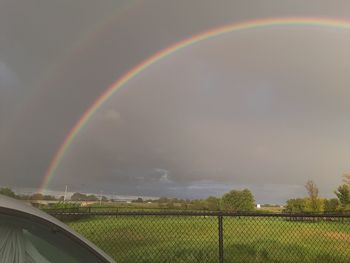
(266, 109)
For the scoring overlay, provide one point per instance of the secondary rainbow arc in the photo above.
(112, 89)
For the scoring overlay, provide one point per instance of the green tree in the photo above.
(343, 194)
(314, 203)
(8, 192)
(78, 197)
(198, 204)
(91, 198)
(213, 203)
(331, 205)
(49, 197)
(296, 205)
(239, 201)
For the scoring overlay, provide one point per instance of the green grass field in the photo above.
(195, 239)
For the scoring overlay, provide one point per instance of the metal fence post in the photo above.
(221, 238)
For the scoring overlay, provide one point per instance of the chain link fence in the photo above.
(214, 236)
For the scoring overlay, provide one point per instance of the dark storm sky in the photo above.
(265, 109)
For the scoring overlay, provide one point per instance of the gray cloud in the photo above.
(8, 89)
(257, 108)
(213, 120)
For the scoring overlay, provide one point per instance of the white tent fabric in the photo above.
(15, 248)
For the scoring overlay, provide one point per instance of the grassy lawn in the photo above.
(195, 239)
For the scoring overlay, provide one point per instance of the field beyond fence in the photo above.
(170, 236)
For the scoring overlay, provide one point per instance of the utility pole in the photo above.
(100, 197)
(65, 194)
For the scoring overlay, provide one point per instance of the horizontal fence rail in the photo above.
(203, 236)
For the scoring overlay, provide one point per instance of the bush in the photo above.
(296, 205)
(304, 205)
(8, 192)
(239, 201)
(331, 205)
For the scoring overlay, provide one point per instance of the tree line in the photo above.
(313, 203)
(38, 196)
(234, 200)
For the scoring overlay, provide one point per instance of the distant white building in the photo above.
(258, 206)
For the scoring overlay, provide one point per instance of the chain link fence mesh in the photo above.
(198, 237)
(286, 239)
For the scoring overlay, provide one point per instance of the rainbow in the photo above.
(121, 82)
